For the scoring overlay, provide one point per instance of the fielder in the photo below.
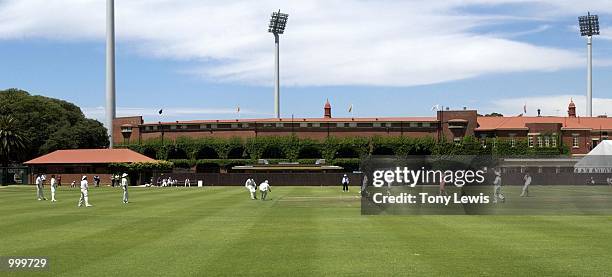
(497, 191)
(84, 196)
(345, 183)
(442, 190)
(187, 183)
(264, 188)
(53, 188)
(527, 179)
(364, 185)
(39, 187)
(250, 186)
(124, 186)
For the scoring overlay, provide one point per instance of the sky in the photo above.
(200, 59)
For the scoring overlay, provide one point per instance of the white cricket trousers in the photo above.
(84, 197)
(39, 192)
(125, 194)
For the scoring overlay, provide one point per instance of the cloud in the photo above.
(555, 105)
(337, 42)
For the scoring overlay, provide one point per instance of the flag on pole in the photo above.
(350, 110)
(238, 109)
(160, 111)
(525, 108)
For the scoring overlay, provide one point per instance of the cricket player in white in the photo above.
(84, 196)
(527, 179)
(264, 188)
(187, 183)
(364, 185)
(250, 186)
(497, 183)
(53, 188)
(345, 183)
(124, 186)
(39, 187)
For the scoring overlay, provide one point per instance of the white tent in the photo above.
(599, 160)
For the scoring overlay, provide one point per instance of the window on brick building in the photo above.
(547, 141)
(575, 141)
(512, 140)
(530, 141)
(457, 141)
(540, 141)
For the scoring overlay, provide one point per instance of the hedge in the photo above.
(187, 152)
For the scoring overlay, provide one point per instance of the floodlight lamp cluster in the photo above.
(278, 21)
(589, 25)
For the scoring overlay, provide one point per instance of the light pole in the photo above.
(278, 21)
(589, 27)
(110, 68)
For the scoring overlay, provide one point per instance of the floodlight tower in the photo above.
(278, 21)
(589, 27)
(110, 68)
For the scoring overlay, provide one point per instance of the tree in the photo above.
(87, 133)
(50, 124)
(12, 141)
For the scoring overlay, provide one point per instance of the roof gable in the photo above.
(90, 156)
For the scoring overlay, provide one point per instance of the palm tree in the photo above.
(12, 141)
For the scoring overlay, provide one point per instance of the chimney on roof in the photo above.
(327, 110)
(571, 109)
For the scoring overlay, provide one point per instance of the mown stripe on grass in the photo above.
(99, 240)
(184, 245)
(73, 218)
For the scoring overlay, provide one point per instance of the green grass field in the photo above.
(301, 231)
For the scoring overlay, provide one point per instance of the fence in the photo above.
(278, 179)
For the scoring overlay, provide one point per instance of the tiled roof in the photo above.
(520, 122)
(298, 120)
(90, 156)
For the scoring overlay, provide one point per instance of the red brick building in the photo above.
(580, 133)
